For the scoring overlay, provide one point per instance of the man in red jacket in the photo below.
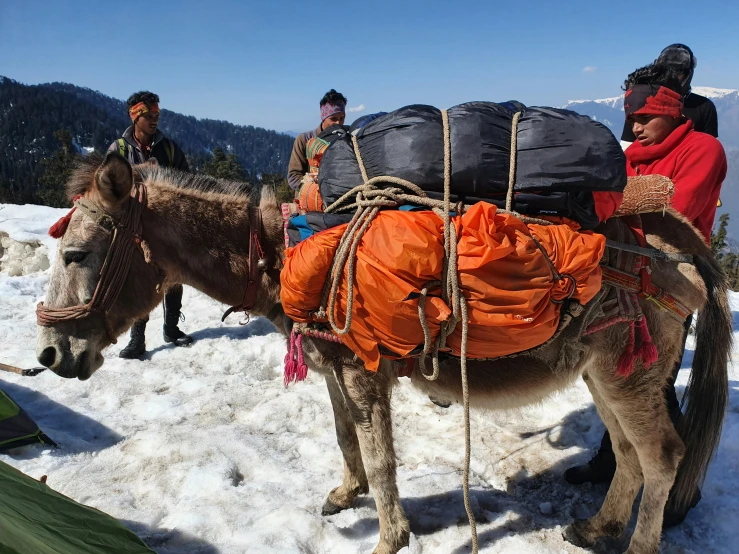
(666, 144)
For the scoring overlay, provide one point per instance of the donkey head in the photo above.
(71, 346)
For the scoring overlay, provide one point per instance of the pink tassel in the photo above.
(302, 368)
(626, 362)
(295, 367)
(290, 365)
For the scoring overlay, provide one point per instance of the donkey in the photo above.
(197, 231)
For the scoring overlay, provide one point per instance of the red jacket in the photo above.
(695, 162)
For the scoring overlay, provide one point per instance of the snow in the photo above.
(711, 92)
(614, 102)
(203, 450)
(617, 101)
(84, 150)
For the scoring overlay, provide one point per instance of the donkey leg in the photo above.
(355, 479)
(368, 399)
(660, 451)
(613, 516)
(639, 406)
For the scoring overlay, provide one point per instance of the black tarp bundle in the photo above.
(561, 157)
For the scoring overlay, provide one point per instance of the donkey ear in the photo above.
(114, 179)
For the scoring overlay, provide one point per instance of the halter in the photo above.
(257, 266)
(126, 238)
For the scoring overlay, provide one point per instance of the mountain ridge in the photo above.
(31, 114)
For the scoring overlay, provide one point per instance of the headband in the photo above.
(652, 100)
(327, 110)
(140, 109)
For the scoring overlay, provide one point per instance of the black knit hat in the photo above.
(679, 57)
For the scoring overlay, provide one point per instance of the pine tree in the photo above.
(57, 171)
(282, 189)
(718, 239)
(728, 260)
(224, 166)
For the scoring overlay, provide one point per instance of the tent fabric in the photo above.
(16, 427)
(36, 519)
(504, 276)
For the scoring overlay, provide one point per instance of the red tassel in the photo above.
(646, 351)
(626, 362)
(57, 230)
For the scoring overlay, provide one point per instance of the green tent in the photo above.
(16, 427)
(35, 519)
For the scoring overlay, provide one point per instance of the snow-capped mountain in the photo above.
(609, 111)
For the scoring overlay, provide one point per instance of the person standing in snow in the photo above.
(666, 143)
(699, 109)
(333, 112)
(143, 142)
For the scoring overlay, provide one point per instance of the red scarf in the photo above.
(636, 153)
(645, 100)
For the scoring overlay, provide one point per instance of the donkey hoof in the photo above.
(330, 509)
(575, 533)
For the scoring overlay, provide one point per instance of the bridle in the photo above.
(257, 266)
(125, 240)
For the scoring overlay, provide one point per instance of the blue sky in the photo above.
(268, 63)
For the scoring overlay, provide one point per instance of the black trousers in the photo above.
(673, 404)
(172, 303)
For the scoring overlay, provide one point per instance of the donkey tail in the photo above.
(708, 389)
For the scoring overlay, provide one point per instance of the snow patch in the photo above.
(22, 258)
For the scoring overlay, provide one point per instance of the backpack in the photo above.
(168, 147)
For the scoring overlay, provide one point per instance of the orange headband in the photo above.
(140, 109)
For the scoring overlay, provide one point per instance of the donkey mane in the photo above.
(85, 168)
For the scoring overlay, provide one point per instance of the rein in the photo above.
(126, 238)
(257, 265)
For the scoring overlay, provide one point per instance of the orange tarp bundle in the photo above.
(505, 278)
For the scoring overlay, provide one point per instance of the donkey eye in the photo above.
(74, 257)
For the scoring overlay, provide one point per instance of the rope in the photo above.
(512, 165)
(368, 200)
(467, 445)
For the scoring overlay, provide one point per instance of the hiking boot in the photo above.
(137, 345)
(172, 333)
(600, 469)
(172, 305)
(674, 516)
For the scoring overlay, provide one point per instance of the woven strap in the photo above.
(653, 293)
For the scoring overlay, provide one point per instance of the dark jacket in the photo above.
(698, 109)
(162, 149)
(298, 166)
